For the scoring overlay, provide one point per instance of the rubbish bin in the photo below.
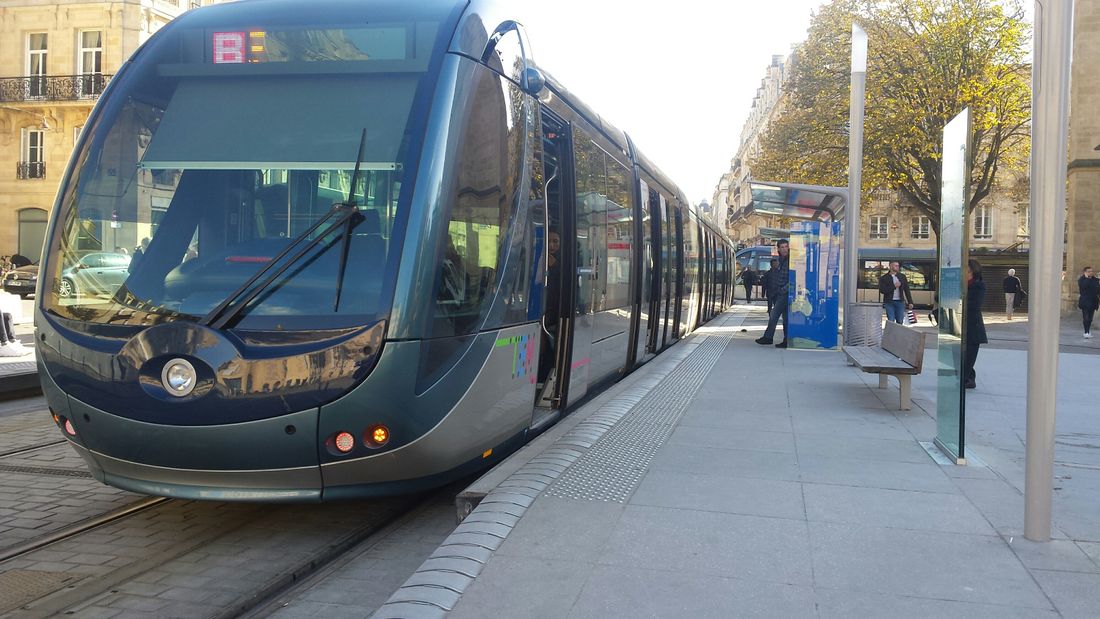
(863, 324)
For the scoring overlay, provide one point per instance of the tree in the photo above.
(927, 60)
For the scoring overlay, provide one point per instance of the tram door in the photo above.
(667, 257)
(647, 314)
(554, 324)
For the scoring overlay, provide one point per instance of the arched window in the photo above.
(32, 232)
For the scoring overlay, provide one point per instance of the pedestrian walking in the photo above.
(896, 296)
(975, 324)
(748, 280)
(1014, 292)
(1089, 288)
(777, 294)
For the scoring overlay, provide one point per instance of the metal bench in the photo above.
(901, 354)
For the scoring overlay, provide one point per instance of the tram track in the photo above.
(291, 543)
(79, 528)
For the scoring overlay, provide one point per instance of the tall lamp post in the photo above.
(1049, 103)
(855, 173)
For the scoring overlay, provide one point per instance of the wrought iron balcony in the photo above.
(31, 169)
(52, 87)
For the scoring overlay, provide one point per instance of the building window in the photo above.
(32, 162)
(880, 230)
(32, 231)
(922, 227)
(90, 63)
(983, 223)
(36, 65)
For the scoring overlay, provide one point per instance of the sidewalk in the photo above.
(728, 479)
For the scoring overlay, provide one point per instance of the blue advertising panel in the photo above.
(813, 318)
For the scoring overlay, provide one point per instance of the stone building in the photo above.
(56, 57)
(1083, 190)
(732, 194)
(999, 223)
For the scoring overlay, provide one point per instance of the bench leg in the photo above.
(906, 385)
(881, 381)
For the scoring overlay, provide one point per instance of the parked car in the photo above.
(21, 281)
(95, 273)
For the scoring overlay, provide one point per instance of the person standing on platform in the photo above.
(1013, 287)
(777, 294)
(766, 283)
(896, 297)
(748, 280)
(975, 324)
(1089, 288)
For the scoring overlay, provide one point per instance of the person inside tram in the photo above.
(553, 300)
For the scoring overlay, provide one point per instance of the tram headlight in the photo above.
(179, 377)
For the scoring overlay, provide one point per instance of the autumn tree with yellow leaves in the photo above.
(927, 61)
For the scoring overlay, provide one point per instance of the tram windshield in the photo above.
(217, 149)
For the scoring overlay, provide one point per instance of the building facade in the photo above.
(732, 195)
(1000, 223)
(1083, 189)
(56, 57)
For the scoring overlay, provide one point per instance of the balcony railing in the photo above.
(31, 169)
(52, 87)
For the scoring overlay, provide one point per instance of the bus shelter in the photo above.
(813, 317)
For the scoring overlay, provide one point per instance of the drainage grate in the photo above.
(614, 466)
(19, 587)
(42, 470)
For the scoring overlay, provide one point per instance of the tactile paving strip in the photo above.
(612, 469)
(436, 586)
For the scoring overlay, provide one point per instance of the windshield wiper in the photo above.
(346, 214)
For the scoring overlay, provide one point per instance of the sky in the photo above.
(679, 77)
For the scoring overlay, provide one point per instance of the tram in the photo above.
(370, 246)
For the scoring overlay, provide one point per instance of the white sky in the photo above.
(679, 77)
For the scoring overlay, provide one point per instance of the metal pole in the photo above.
(1050, 102)
(855, 173)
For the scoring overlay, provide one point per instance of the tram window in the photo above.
(475, 255)
(620, 228)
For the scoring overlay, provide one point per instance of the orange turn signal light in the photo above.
(378, 436)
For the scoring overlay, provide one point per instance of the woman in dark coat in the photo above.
(1089, 287)
(975, 324)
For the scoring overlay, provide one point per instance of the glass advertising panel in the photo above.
(951, 400)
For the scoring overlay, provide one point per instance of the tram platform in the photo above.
(729, 479)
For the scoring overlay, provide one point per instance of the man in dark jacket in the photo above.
(766, 283)
(777, 295)
(896, 297)
(748, 279)
(1013, 288)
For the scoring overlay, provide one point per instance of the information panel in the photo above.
(951, 396)
(813, 317)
